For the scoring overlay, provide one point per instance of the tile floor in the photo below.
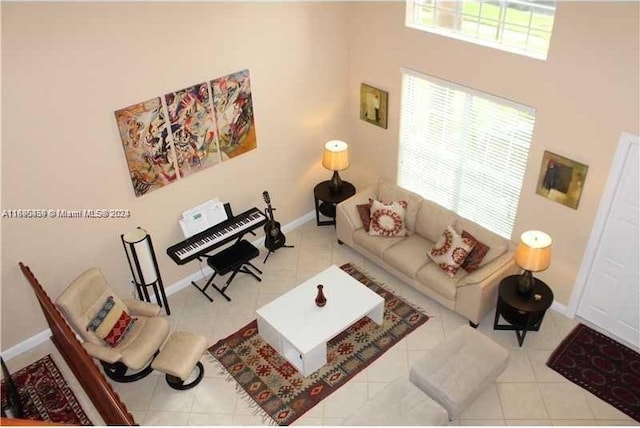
(527, 393)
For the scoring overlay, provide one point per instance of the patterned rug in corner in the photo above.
(602, 366)
(45, 395)
(280, 390)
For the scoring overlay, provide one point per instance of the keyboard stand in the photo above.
(235, 258)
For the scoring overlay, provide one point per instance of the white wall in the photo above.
(585, 94)
(66, 67)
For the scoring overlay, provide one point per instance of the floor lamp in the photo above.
(144, 266)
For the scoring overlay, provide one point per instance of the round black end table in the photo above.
(326, 200)
(523, 312)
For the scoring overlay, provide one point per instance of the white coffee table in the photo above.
(299, 330)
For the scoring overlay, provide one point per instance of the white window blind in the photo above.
(464, 149)
(520, 26)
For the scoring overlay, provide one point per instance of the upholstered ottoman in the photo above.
(401, 404)
(179, 356)
(458, 370)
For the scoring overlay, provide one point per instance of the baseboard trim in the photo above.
(27, 345)
(44, 335)
(561, 309)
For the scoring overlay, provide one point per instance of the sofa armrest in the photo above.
(144, 309)
(475, 300)
(347, 217)
(496, 265)
(103, 353)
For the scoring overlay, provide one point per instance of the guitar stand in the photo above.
(273, 251)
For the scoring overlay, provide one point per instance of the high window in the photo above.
(520, 26)
(464, 149)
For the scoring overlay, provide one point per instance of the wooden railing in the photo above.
(104, 398)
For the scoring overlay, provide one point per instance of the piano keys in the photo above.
(216, 236)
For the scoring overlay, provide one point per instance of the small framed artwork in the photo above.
(561, 179)
(373, 105)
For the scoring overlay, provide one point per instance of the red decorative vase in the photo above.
(320, 299)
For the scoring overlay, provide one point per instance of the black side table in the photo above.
(326, 200)
(523, 313)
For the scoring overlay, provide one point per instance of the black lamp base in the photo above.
(525, 283)
(335, 184)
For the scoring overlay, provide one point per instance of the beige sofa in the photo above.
(472, 295)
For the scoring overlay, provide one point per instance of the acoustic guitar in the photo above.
(273, 236)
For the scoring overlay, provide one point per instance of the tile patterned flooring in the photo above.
(527, 393)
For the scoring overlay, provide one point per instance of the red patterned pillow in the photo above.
(388, 219)
(120, 328)
(364, 211)
(111, 322)
(450, 251)
(473, 260)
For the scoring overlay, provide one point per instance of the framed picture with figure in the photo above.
(561, 179)
(373, 105)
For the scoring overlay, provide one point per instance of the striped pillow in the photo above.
(111, 322)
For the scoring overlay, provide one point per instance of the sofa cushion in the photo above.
(450, 251)
(432, 219)
(497, 244)
(143, 339)
(374, 244)
(473, 260)
(388, 219)
(408, 255)
(437, 280)
(388, 192)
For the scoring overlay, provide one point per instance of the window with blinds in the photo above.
(464, 149)
(520, 26)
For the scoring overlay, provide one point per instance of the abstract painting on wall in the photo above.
(207, 123)
(193, 128)
(234, 113)
(147, 145)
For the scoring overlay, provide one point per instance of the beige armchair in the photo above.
(81, 302)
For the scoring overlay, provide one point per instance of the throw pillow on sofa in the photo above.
(473, 260)
(388, 219)
(450, 251)
(364, 211)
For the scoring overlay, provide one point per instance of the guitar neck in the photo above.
(270, 210)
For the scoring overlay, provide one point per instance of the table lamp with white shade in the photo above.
(533, 255)
(335, 157)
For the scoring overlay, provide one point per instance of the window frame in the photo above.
(460, 159)
(412, 16)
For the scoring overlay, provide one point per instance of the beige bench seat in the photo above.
(458, 370)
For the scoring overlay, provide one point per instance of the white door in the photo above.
(611, 298)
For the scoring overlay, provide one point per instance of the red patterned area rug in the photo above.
(602, 366)
(280, 391)
(45, 395)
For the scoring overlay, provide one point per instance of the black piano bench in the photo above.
(235, 258)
